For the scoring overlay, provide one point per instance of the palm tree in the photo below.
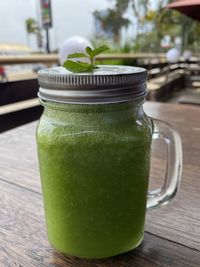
(31, 27)
(113, 20)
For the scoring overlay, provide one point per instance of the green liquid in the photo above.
(94, 165)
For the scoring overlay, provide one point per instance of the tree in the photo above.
(114, 19)
(174, 23)
(31, 27)
(152, 24)
(164, 22)
(140, 9)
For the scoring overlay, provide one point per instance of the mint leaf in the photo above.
(89, 51)
(100, 50)
(77, 67)
(77, 55)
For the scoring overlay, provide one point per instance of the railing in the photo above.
(53, 58)
(155, 63)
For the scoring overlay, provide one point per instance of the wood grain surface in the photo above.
(24, 241)
(172, 235)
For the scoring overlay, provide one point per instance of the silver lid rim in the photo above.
(108, 84)
(93, 96)
(113, 101)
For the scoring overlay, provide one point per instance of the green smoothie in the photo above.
(94, 166)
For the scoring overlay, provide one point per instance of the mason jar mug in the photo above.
(94, 146)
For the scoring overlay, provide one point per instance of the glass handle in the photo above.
(162, 196)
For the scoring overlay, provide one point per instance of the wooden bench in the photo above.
(163, 87)
(18, 103)
(21, 105)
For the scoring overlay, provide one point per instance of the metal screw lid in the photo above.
(107, 84)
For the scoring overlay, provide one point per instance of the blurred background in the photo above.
(162, 36)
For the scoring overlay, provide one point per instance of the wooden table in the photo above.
(172, 236)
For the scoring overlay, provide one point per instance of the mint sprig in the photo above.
(78, 66)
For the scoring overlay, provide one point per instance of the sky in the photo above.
(70, 17)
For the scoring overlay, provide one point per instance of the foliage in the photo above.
(140, 9)
(31, 25)
(114, 20)
(79, 66)
(152, 25)
(173, 23)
